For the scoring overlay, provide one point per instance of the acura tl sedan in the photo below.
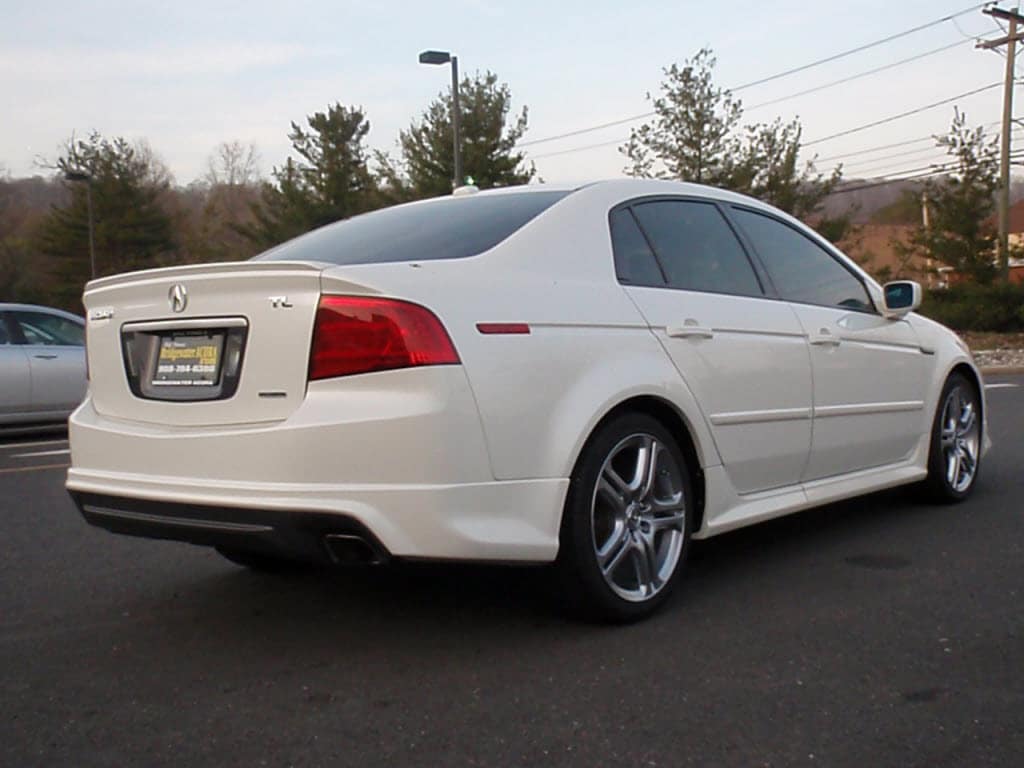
(42, 365)
(589, 377)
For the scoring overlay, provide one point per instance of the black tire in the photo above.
(258, 561)
(659, 537)
(938, 484)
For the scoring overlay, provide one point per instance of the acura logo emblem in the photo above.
(178, 296)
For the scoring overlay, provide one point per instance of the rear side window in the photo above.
(634, 260)
(445, 228)
(697, 248)
(801, 269)
(49, 330)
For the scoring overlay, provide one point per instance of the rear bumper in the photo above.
(397, 455)
(316, 537)
(497, 521)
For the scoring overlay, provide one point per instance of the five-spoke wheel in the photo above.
(626, 525)
(955, 455)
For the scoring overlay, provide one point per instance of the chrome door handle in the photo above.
(689, 330)
(824, 338)
(45, 357)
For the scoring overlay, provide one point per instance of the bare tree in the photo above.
(233, 164)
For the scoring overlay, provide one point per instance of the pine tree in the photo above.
(488, 143)
(131, 228)
(689, 138)
(961, 233)
(329, 181)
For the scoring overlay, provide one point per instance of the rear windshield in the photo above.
(446, 228)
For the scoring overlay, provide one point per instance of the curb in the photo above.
(994, 370)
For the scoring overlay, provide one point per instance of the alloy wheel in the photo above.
(638, 517)
(959, 438)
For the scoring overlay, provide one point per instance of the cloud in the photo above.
(42, 64)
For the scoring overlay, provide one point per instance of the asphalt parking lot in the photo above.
(877, 632)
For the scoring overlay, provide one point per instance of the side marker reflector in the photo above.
(503, 328)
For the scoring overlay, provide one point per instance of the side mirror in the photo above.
(901, 298)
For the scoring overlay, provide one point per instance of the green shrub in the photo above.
(971, 307)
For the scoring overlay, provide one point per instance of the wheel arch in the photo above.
(970, 373)
(676, 422)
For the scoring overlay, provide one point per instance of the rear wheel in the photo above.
(626, 527)
(955, 456)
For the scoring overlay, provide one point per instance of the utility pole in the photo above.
(1010, 41)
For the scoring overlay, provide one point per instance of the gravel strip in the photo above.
(999, 358)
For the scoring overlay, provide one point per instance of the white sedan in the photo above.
(589, 377)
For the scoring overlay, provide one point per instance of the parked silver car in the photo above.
(42, 364)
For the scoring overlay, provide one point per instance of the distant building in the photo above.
(1015, 230)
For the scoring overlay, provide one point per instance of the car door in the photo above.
(740, 352)
(55, 347)
(15, 380)
(870, 373)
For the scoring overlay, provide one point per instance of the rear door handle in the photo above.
(824, 338)
(45, 357)
(690, 329)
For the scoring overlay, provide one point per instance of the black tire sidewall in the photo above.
(584, 585)
(937, 482)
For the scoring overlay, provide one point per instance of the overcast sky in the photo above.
(188, 75)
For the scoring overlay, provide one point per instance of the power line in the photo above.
(883, 166)
(849, 131)
(901, 115)
(859, 75)
(580, 149)
(916, 173)
(875, 149)
(885, 182)
(874, 160)
(930, 137)
(861, 48)
(770, 78)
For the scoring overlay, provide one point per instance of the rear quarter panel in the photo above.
(541, 394)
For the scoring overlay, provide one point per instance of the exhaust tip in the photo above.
(350, 549)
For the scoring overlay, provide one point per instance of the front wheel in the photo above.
(626, 526)
(955, 456)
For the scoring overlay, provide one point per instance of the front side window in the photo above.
(696, 247)
(801, 269)
(49, 330)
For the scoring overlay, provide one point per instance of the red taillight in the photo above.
(356, 334)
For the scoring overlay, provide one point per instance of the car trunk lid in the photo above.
(204, 345)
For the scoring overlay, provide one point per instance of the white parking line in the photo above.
(41, 453)
(16, 446)
(13, 470)
(1002, 385)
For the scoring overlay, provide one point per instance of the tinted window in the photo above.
(696, 247)
(801, 269)
(51, 330)
(445, 228)
(634, 261)
(5, 337)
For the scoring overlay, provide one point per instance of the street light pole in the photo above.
(456, 121)
(87, 178)
(444, 57)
